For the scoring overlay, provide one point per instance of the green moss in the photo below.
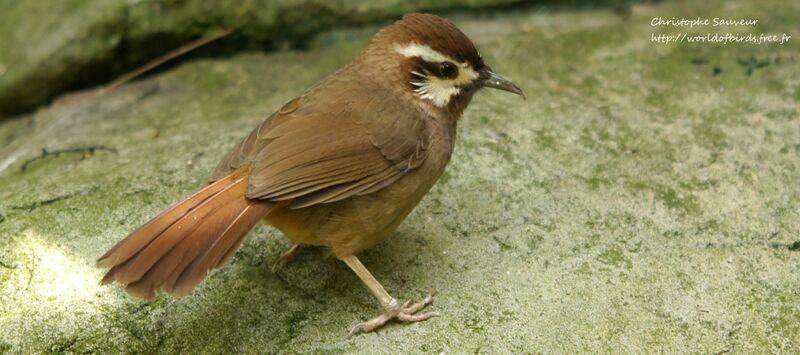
(47, 48)
(614, 257)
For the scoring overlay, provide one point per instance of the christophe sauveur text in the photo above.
(712, 37)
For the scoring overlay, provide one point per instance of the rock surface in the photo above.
(47, 47)
(643, 199)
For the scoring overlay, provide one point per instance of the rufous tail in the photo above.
(175, 251)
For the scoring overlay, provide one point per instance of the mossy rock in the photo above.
(643, 199)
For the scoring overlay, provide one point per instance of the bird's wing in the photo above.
(318, 151)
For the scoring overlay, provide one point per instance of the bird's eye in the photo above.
(447, 70)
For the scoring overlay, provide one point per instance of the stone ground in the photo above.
(643, 199)
(47, 47)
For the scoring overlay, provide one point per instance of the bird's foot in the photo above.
(288, 256)
(405, 313)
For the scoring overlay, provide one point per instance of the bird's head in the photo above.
(436, 63)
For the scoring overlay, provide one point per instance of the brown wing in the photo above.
(324, 150)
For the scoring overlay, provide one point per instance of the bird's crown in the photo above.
(437, 62)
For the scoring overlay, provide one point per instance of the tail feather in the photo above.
(160, 264)
(213, 256)
(227, 255)
(128, 247)
(176, 250)
(197, 220)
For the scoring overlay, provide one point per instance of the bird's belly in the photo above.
(300, 225)
(364, 221)
(357, 223)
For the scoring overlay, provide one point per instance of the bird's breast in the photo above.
(359, 222)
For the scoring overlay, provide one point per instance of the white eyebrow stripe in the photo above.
(422, 51)
(428, 54)
(439, 91)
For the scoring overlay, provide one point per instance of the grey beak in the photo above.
(492, 80)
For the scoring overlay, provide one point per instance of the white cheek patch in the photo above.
(438, 91)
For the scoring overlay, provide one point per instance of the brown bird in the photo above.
(340, 166)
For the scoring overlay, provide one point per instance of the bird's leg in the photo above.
(392, 309)
(288, 256)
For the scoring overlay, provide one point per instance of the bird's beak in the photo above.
(490, 79)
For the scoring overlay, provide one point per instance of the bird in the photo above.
(339, 167)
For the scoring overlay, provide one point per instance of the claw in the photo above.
(287, 257)
(405, 313)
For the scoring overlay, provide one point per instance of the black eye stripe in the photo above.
(444, 70)
(428, 67)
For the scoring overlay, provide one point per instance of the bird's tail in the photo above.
(175, 251)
